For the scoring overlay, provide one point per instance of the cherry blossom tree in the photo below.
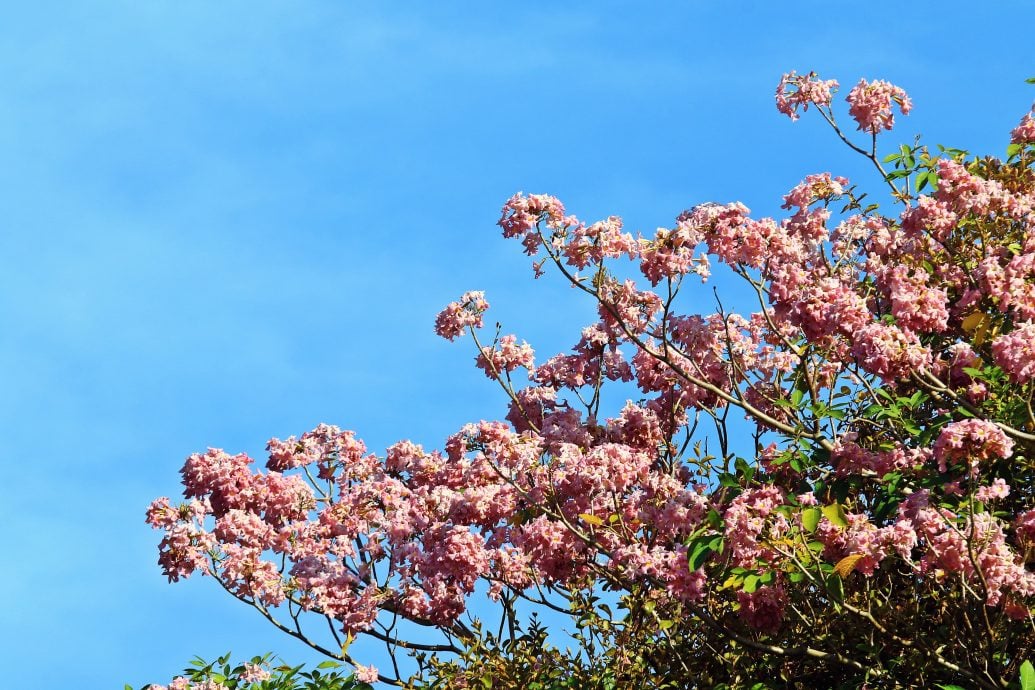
(836, 489)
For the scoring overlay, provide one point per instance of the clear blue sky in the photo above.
(225, 221)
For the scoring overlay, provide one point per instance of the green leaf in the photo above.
(836, 514)
(1013, 149)
(328, 664)
(751, 583)
(921, 180)
(810, 519)
(836, 589)
(950, 687)
(701, 548)
(1027, 676)
(727, 479)
(1030, 80)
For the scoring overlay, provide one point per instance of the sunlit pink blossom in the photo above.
(460, 315)
(1024, 132)
(794, 92)
(870, 104)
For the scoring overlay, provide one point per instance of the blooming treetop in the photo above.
(879, 531)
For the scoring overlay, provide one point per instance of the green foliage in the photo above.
(226, 674)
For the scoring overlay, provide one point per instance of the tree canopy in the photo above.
(835, 489)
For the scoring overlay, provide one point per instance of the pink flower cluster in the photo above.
(505, 357)
(460, 315)
(800, 91)
(973, 442)
(1015, 352)
(976, 548)
(1024, 132)
(870, 104)
(763, 609)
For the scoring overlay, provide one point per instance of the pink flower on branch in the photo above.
(870, 104)
(366, 674)
(996, 490)
(505, 357)
(763, 609)
(1015, 352)
(1024, 132)
(460, 315)
(794, 92)
(973, 442)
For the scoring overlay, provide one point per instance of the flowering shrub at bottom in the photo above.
(836, 489)
(261, 674)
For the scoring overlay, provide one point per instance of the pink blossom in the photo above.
(796, 91)
(807, 499)
(1024, 132)
(870, 104)
(749, 520)
(521, 213)
(681, 583)
(505, 357)
(1015, 352)
(161, 515)
(460, 315)
(1024, 525)
(183, 550)
(915, 303)
(366, 674)
(530, 406)
(929, 215)
(602, 240)
(972, 441)
(254, 673)
(326, 446)
(671, 255)
(964, 192)
(577, 491)
(996, 490)
(978, 544)
(889, 351)
(224, 480)
(822, 187)
(763, 609)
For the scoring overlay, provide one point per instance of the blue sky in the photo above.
(223, 222)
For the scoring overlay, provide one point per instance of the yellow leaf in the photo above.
(978, 324)
(836, 514)
(591, 519)
(733, 581)
(846, 565)
(348, 643)
(971, 322)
